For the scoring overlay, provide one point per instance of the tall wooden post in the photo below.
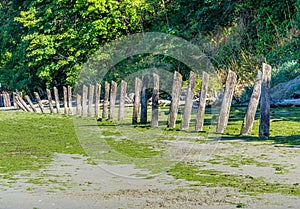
(65, 100)
(70, 100)
(176, 88)
(112, 102)
(14, 99)
(38, 99)
(50, 100)
(78, 104)
(188, 102)
(24, 104)
(122, 100)
(105, 102)
(226, 103)
(30, 103)
(98, 92)
(84, 100)
(91, 99)
(56, 99)
(252, 107)
(155, 98)
(144, 100)
(18, 103)
(137, 100)
(202, 102)
(264, 126)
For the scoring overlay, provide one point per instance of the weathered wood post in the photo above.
(2, 100)
(122, 100)
(6, 99)
(24, 104)
(91, 99)
(264, 126)
(14, 99)
(112, 102)
(226, 103)
(155, 98)
(70, 100)
(105, 101)
(137, 100)
(50, 100)
(202, 102)
(56, 96)
(188, 102)
(65, 100)
(84, 100)
(19, 104)
(30, 103)
(97, 102)
(78, 104)
(252, 107)
(38, 99)
(176, 88)
(144, 99)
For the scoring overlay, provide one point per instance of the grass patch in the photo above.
(245, 184)
(284, 126)
(132, 149)
(29, 141)
(237, 161)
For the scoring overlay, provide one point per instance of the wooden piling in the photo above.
(97, 102)
(78, 104)
(14, 99)
(155, 98)
(19, 104)
(50, 100)
(188, 102)
(56, 96)
(122, 100)
(112, 102)
(6, 99)
(105, 101)
(202, 102)
(144, 100)
(84, 100)
(70, 100)
(137, 100)
(176, 88)
(264, 126)
(65, 100)
(91, 100)
(30, 103)
(38, 99)
(252, 107)
(226, 103)
(24, 104)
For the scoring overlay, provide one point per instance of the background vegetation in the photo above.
(44, 43)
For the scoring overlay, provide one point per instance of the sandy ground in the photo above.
(71, 182)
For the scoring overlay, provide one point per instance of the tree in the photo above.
(59, 36)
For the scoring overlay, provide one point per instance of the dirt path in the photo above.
(71, 181)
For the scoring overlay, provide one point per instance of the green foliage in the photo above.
(287, 71)
(59, 36)
(45, 43)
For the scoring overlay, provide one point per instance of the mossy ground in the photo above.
(28, 142)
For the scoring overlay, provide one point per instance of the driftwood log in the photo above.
(286, 103)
